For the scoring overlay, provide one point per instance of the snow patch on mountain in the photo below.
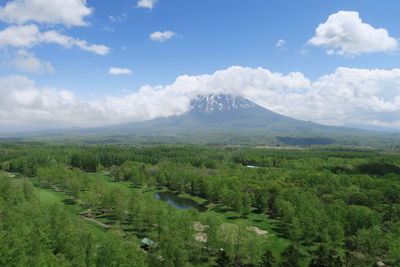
(221, 103)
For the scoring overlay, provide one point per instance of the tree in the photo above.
(212, 226)
(254, 247)
(161, 180)
(326, 257)
(241, 242)
(28, 191)
(114, 252)
(173, 249)
(246, 205)
(5, 166)
(268, 259)
(360, 217)
(223, 260)
(262, 202)
(290, 257)
(369, 241)
(74, 188)
(236, 201)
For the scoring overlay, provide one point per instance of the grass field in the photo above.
(50, 197)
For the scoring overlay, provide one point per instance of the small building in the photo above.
(147, 243)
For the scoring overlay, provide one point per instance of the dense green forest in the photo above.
(96, 206)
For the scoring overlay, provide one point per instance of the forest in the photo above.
(95, 205)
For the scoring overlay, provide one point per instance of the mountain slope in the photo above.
(231, 114)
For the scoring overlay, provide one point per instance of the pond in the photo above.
(178, 202)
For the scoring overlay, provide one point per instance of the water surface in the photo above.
(178, 202)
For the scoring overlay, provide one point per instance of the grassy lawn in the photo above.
(125, 187)
(199, 200)
(50, 197)
(275, 242)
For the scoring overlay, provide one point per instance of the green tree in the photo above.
(326, 257)
(222, 259)
(212, 225)
(115, 252)
(290, 257)
(268, 259)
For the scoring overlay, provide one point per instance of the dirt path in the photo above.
(96, 222)
(257, 230)
(201, 237)
(199, 227)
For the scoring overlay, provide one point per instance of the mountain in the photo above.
(228, 114)
(238, 112)
(220, 118)
(212, 110)
(221, 103)
(374, 128)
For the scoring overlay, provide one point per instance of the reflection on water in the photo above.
(178, 202)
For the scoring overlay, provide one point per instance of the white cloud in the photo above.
(146, 3)
(24, 106)
(162, 36)
(30, 35)
(359, 96)
(119, 18)
(108, 29)
(344, 33)
(117, 71)
(67, 12)
(26, 61)
(281, 44)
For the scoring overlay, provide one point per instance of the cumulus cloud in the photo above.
(27, 62)
(146, 3)
(162, 36)
(359, 96)
(117, 71)
(30, 35)
(344, 33)
(67, 12)
(25, 106)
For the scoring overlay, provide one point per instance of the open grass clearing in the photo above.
(50, 197)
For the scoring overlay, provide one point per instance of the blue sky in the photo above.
(208, 36)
